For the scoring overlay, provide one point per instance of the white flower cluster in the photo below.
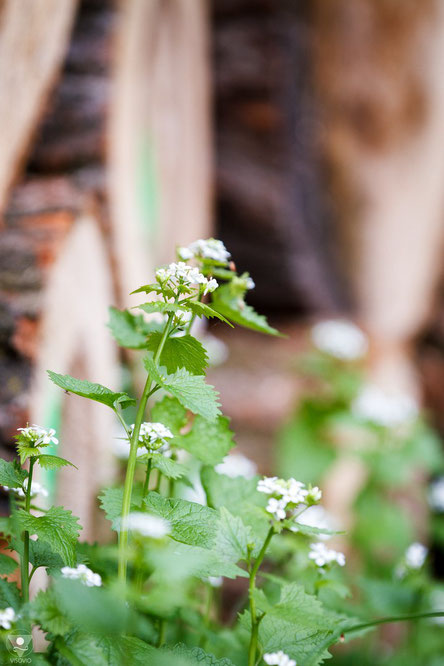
(36, 489)
(415, 555)
(7, 617)
(287, 494)
(321, 555)
(341, 339)
(37, 436)
(205, 249)
(436, 495)
(82, 573)
(235, 465)
(154, 436)
(278, 659)
(182, 275)
(147, 525)
(384, 409)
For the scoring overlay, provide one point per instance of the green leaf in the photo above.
(111, 501)
(26, 452)
(180, 352)
(9, 595)
(197, 656)
(95, 392)
(235, 309)
(45, 611)
(298, 608)
(240, 497)
(154, 287)
(204, 310)
(58, 528)
(159, 306)
(186, 561)
(190, 390)
(11, 474)
(7, 565)
(169, 468)
(233, 537)
(208, 441)
(127, 329)
(53, 462)
(41, 555)
(97, 610)
(191, 523)
(171, 413)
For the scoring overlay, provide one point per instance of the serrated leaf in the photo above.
(296, 606)
(236, 310)
(233, 537)
(111, 501)
(180, 352)
(198, 656)
(309, 530)
(154, 287)
(58, 528)
(159, 306)
(26, 451)
(171, 413)
(11, 474)
(191, 390)
(127, 329)
(9, 594)
(45, 611)
(7, 565)
(240, 497)
(53, 462)
(169, 468)
(208, 441)
(191, 523)
(95, 392)
(204, 310)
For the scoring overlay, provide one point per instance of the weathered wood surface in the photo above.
(34, 35)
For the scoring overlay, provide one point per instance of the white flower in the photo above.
(36, 489)
(277, 508)
(436, 494)
(278, 659)
(211, 286)
(209, 249)
(292, 491)
(154, 436)
(249, 283)
(313, 495)
(38, 436)
(215, 581)
(236, 464)
(321, 555)
(185, 253)
(340, 339)
(385, 409)
(147, 525)
(7, 617)
(82, 573)
(415, 555)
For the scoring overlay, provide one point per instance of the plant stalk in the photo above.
(131, 467)
(390, 619)
(25, 560)
(252, 650)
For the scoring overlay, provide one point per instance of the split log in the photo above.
(34, 36)
(159, 135)
(54, 291)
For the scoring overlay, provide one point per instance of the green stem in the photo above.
(162, 632)
(388, 620)
(131, 467)
(252, 651)
(147, 479)
(25, 560)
